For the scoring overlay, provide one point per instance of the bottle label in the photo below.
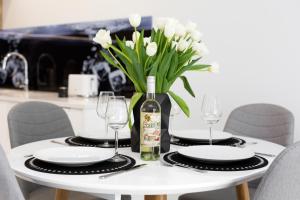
(150, 129)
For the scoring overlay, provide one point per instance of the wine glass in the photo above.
(101, 109)
(211, 112)
(117, 118)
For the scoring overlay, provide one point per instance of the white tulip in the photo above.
(214, 68)
(190, 27)
(200, 49)
(159, 23)
(135, 20)
(103, 38)
(170, 28)
(196, 35)
(129, 44)
(151, 49)
(190, 41)
(180, 30)
(182, 45)
(147, 40)
(135, 36)
(174, 44)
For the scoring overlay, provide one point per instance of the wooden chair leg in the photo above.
(242, 191)
(61, 194)
(155, 197)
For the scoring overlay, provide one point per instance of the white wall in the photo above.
(256, 42)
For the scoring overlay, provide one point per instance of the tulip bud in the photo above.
(170, 29)
(180, 30)
(151, 49)
(159, 23)
(214, 68)
(182, 45)
(196, 35)
(190, 27)
(147, 40)
(174, 44)
(129, 44)
(135, 20)
(200, 49)
(135, 36)
(103, 38)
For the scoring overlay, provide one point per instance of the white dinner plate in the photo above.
(100, 135)
(74, 156)
(216, 153)
(201, 135)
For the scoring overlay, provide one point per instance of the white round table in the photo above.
(153, 179)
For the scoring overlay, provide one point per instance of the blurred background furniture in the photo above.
(9, 189)
(282, 181)
(264, 121)
(35, 121)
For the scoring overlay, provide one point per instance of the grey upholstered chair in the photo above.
(282, 180)
(33, 121)
(265, 121)
(9, 189)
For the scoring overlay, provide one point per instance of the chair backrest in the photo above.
(265, 121)
(9, 189)
(282, 180)
(33, 121)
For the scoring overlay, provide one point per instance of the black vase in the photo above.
(165, 105)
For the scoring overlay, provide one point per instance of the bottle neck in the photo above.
(150, 95)
(151, 89)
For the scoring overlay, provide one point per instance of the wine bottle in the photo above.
(150, 124)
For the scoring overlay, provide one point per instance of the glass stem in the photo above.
(106, 130)
(106, 126)
(116, 143)
(210, 135)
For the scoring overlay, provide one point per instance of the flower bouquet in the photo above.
(171, 50)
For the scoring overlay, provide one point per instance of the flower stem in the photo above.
(124, 71)
(120, 52)
(145, 66)
(165, 46)
(137, 47)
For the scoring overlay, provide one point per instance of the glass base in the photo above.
(117, 158)
(106, 144)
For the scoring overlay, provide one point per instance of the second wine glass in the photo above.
(117, 118)
(211, 112)
(101, 109)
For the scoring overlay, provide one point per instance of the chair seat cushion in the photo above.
(228, 194)
(47, 193)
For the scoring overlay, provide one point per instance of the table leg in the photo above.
(242, 191)
(155, 197)
(61, 194)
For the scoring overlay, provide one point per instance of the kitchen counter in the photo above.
(81, 111)
(17, 96)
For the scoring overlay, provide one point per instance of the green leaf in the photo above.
(173, 66)
(190, 68)
(134, 99)
(185, 57)
(181, 103)
(187, 85)
(109, 59)
(154, 66)
(162, 70)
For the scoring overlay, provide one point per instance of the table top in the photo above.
(18, 96)
(149, 180)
